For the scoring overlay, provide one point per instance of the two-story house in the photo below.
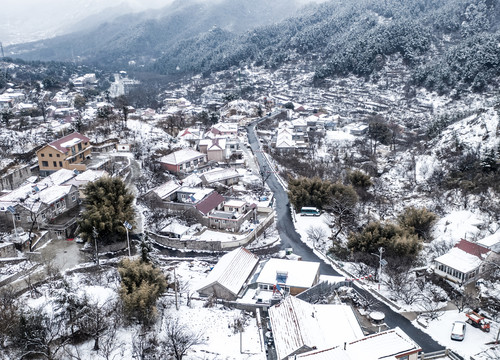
(69, 152)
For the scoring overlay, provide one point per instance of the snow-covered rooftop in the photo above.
(181, 156)
(301, 274)
(300, 326)
(166, 189)
(232, 270)
(459, 260)
(220, 174)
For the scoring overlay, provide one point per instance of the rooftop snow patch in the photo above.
(232, 270)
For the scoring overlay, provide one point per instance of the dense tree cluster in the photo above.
(108, 204)
(320, 193)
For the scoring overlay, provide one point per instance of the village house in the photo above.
(228, 277)
(462, 263)
(232, 216)
(214, 148)
(300, 327)
(49, 204)
(69, 152)
(225, 176)
(183, 161)
(393, 344)
(228, 130)
(293, 277)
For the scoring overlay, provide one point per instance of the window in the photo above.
(54, 163)
(50, 155)
(73, 197)
(58, 155)
(80, 146)
(45, 163)
(60, 163)
(43, 155)
(18, 217)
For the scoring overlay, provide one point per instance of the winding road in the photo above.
(290, 238)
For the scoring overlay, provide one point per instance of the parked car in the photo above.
(458, 330)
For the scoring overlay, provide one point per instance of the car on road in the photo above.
(458, 330)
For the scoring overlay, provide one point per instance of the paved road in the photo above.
(290, 238)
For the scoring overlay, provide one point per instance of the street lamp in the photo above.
(381, 262)
(128, 227)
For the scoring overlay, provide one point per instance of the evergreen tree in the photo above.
(108, 204)
(141, 285)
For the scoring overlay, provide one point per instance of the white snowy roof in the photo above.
(300, 326)
(284, 138)
(235, 203)
(301, 274)
(181, 156)
(385, 345)
(57, 178)
(166, 189)
(460, 260)
(232, 270)
(491, 242)
(220, 174)
(175, 228)
(87, 176)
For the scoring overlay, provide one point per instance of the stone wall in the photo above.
(212, 245)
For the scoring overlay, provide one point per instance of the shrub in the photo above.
(396, 241)
(417, 221)
(359, 179)
(141, 286)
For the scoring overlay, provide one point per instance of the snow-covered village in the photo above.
(247, 212)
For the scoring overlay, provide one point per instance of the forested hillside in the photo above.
(446, 44)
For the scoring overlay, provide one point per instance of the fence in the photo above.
(439, 355)
(213, 245)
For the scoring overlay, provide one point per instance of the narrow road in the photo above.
(290, 238)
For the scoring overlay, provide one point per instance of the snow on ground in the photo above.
(304, 223)
(219, 338)
(457, 225)
(475, 339)
(338, 136)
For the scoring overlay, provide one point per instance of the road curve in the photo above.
(290, 238)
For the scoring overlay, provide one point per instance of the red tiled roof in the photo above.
(210, 202)
(57, 143)
(472, 248)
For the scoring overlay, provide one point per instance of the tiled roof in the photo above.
(232, 270)
(65, 142)
(472, 248)
(181, 156)
(210, 202)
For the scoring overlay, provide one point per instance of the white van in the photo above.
(458, 331)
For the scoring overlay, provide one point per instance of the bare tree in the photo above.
(316, 234)
(9, 317)
(179, 339)
(145, 345)
(41, 335)
(97, 320)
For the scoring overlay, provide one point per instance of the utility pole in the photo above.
(175, 290)
(127, 228)
(381, 262)
(95, 234)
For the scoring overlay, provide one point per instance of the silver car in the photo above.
(458, 331)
